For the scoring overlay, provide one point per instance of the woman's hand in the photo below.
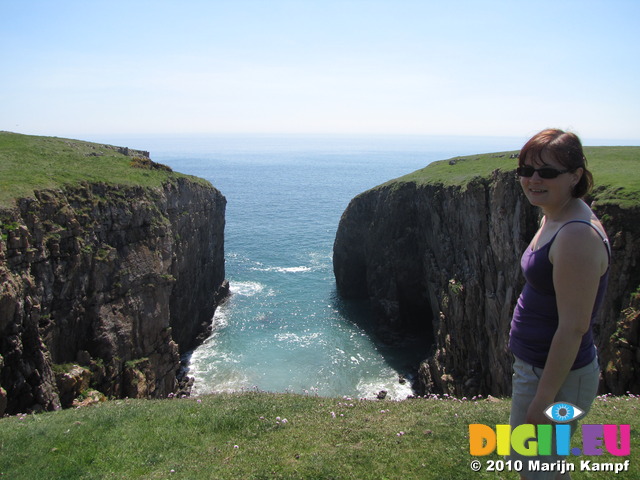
(535, 413)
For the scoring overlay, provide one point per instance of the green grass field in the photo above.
(256, 435)
(29, 163)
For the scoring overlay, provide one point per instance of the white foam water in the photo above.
(283, 269)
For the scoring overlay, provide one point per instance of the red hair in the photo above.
(566, 149)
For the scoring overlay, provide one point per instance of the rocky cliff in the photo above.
(117, 280)
(441, 260)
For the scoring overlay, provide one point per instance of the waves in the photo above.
(300, 340)
(283, 269)
(245, 289)
(263, 339)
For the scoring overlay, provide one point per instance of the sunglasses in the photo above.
(544, 172)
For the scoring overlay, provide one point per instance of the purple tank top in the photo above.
(535, 318)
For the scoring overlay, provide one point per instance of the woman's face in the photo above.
(549, 193)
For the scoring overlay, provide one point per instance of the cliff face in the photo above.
(445, 260)
(119, 280)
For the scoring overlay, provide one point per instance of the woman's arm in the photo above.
(577, 258)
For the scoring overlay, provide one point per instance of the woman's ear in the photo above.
(577, 175)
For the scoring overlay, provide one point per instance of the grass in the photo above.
(29, 163)
(256, 435)
(615, 171)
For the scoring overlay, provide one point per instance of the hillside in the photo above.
(29, 163)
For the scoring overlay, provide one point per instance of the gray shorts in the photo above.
(580, 389)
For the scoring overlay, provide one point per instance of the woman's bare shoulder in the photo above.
(581, 243)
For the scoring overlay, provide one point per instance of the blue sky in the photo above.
(492, 67)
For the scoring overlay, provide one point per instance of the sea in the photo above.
(284, 328)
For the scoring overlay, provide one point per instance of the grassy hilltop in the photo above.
(29, 163)
(615, 171)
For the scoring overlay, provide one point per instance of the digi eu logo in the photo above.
(532, 440)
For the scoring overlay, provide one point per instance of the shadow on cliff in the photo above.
(401, 353)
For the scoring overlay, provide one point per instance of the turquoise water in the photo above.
(284, 328)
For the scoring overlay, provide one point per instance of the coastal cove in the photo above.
(352, 268)
(284, 328)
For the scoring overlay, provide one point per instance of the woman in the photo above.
(566, 269)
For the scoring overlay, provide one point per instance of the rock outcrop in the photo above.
(445, 260)
(117, 279)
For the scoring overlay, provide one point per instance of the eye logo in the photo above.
(563, 412)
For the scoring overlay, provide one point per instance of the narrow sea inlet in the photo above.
(284, 328)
